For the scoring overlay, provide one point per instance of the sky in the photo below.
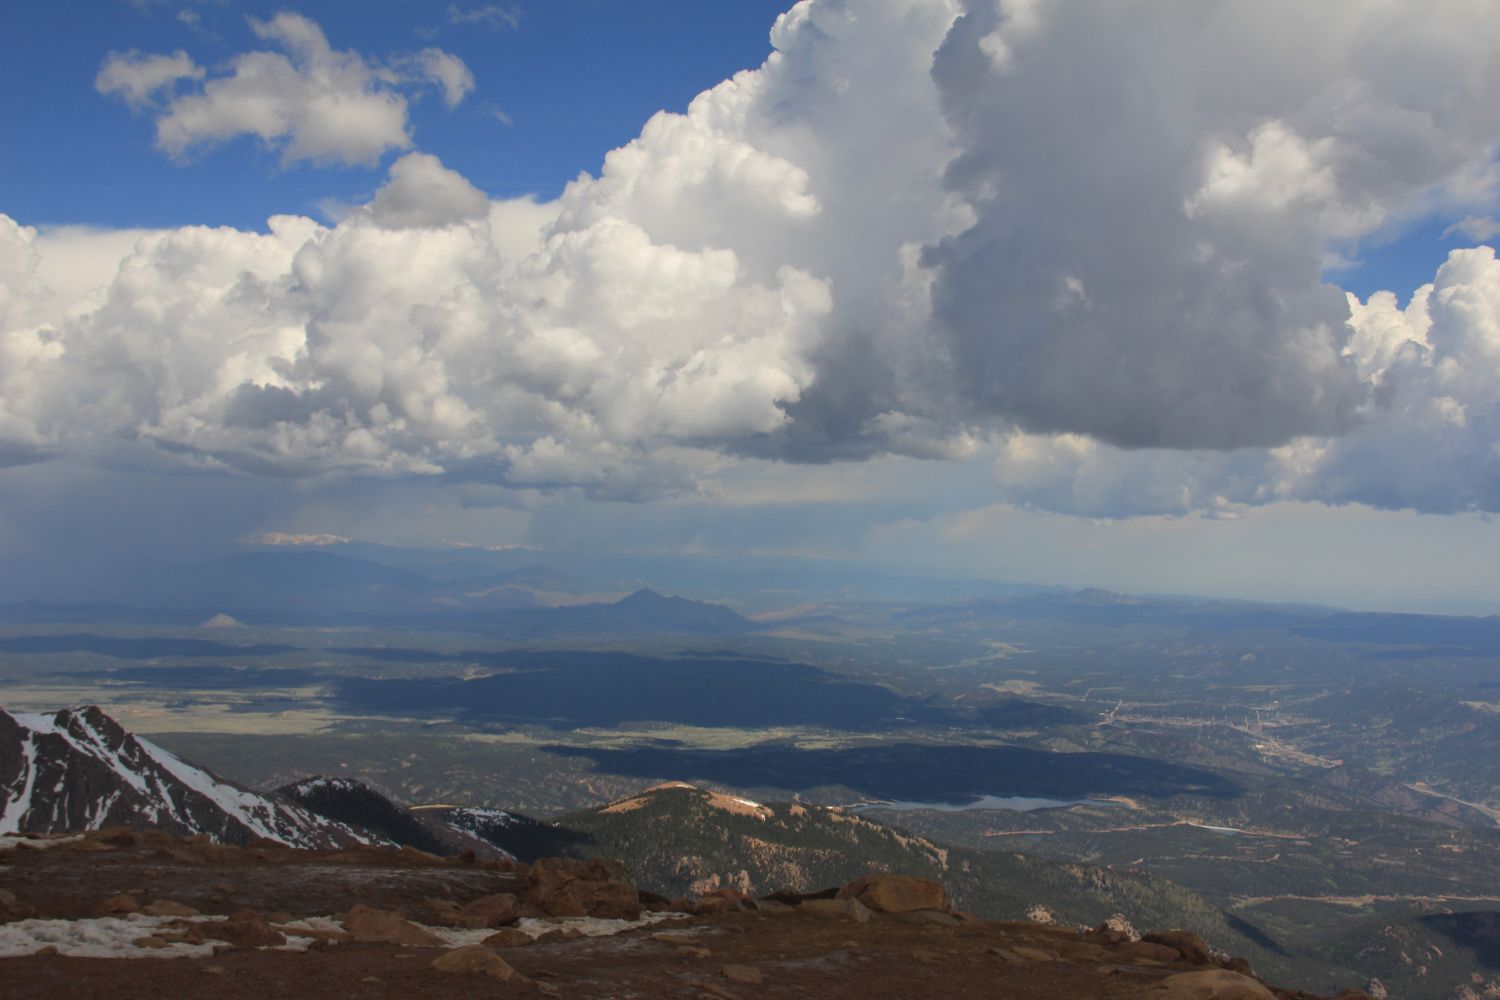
(1184, 297)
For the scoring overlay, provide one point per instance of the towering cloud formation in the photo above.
(1092, 239)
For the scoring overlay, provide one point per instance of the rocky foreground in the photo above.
(119, 914)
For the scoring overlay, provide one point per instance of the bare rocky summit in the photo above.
(125, 913)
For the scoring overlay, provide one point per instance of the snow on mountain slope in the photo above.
(78, 769)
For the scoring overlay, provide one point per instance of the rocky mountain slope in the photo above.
(77, 769)
(92, 916)
(681, 840)
(444, 830)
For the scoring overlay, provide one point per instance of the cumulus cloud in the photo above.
(312, 102)
(423, 192)
(1089, 242)
(447, 71)
(137, 78)
(1157, 191)
(429, 333)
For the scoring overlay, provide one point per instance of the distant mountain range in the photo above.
(319, 587)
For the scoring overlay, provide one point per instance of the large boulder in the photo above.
(1192, 947)
(245, 929)
(896, 893)
(565, 887)
(365, 923)
(490, 911)
(849, 907)
(476, 959)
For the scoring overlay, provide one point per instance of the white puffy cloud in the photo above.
(137, 78)
(1088, 241)
(311, 101)
(449, 72)
(423, 192)
(430, 332)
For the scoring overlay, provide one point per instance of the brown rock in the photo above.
(653, 901)
(490, 911)
(476, 959)
(119, 904)
(715, 904)
(1235, 963)
(443, 913)
(939, 917)
(167, 908)
(152, 942)
(851, 908)
(245, 929)
(896, 893)
(693, 951)
(744, 974)
(365, 923)
(1153, 951)
(743, 900)
(564, 887)
(1034, 954)
(1215, 984)
(1192, 947)
(118, 836)
(507, 937)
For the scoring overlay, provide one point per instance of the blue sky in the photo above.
(576, 78)
(1048, 293)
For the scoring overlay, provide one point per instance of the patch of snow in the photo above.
(37, 722)
(247, 807)
(315, 924)
(99, 937)
(534, 927)
(13, 809)
(9, 843)
(498, 816)
(314, 784)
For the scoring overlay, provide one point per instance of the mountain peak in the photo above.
(701, 797)
(646, 596)
(79, 769)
